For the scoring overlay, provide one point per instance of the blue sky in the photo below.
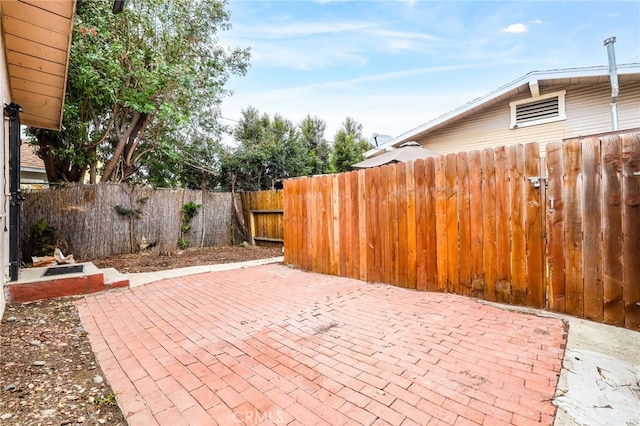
(394, 65)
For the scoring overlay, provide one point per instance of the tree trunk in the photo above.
(137, 125)
(58, 169)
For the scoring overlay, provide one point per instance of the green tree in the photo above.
(268, 151)
(312, 131)
(245, 166)
(136, 81)
(349, 146)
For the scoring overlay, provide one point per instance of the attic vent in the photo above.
(537, 110)
(541, 110)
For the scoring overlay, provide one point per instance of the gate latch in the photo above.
(535, 180)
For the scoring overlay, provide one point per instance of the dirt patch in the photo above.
(150, 261)
(49, 375)
(48, 372)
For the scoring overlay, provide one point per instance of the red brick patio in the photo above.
(274, 345)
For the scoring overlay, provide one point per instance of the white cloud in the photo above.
(308, 46)
(378, 101)
(516, 29)
(305, 29)
(389, 113)
(301, 56)
(536, 21)
(402, 34)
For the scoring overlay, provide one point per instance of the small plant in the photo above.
(109, 399)
(131, 213)
(44, 238)
(183, 243)
(189, 210)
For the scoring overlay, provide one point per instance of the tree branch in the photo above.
(110, 167)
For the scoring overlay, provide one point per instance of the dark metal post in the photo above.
(12, 112)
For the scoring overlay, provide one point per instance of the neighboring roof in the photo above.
(530, 83)
(409, 151)
(37, 38)
(29, 161)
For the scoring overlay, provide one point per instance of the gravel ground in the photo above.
(49, 375)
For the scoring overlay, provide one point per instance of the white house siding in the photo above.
(588, 110)
(5, 98)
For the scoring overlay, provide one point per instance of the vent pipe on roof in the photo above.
(613, 73)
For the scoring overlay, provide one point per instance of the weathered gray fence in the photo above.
(86, 219)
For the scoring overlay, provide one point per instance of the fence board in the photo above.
(592, 229)
(371, 203)
(363, 218)
(421, 224)
(306, 242)
(464, 223)
(612, 231)
(327, 228)
(518, 247)
(442, 266)
(302, 238)
(411, 225)
(453, 265)
(379, 226)
(326, 252)
(355, 228)
(393, 227)
(402, 260)
(317, 230)
(343, 224)
(430, 220)
(385, 245)
(555, 228)
(572, 191)
(290, 209)
(489, 246)
(631, 229)
(534, 216)
(503, 219)
(476, 231)
(336, 208)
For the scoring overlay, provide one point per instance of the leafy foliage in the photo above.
(189, 210)
(349, 146)
(312, 131)
(130, 213)
(44, 238)
(271, 150)
(137, 82)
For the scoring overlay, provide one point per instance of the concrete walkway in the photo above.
(274, 345)
(143, 278)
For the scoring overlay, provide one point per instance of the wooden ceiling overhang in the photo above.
(37, 39)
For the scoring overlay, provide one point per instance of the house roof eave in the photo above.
(529, 82)
(37, 41)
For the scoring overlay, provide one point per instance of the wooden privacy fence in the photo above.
(85, 217)
(263, 212)
(482, 224)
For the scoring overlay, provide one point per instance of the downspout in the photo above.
(12, 112)
(615, 88)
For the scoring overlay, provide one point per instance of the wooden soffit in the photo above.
(37, 39)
